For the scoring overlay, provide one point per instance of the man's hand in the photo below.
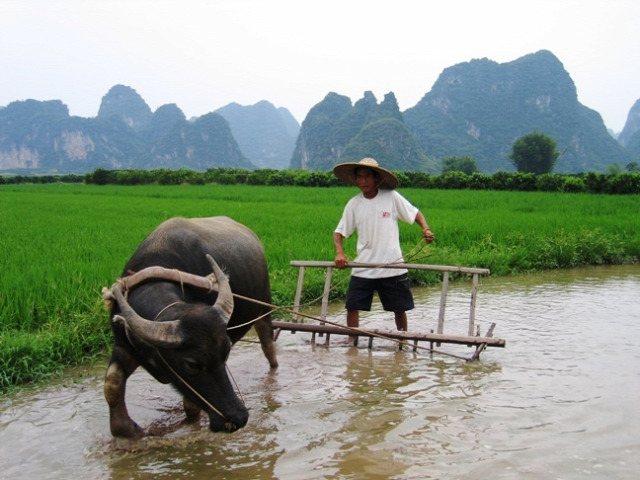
(428, 235)
(341, 260)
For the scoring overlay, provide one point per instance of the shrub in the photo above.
(417, 180)
(624, 183)
(260, 176)
(595, 182)
(451, 181)
(500, 181)
(402, 178)
(550, 182)
(480, 181)
(573, 185)
(523, 181)
(313, 178)
(282, 178)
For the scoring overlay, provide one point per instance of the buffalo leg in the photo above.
(121, 366)
(191, 410)
(265, 334)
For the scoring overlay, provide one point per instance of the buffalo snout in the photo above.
(231, 424)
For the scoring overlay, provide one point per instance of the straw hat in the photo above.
(347, 173)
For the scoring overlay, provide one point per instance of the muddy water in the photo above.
(561, 401)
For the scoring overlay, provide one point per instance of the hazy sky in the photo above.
(202, 55)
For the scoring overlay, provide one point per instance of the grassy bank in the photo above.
(61, 243)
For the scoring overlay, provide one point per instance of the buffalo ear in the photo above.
(224, 302)
(156, 334)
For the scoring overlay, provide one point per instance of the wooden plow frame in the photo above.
(325, 327)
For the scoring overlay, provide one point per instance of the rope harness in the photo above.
(228, 425)
(209, 283)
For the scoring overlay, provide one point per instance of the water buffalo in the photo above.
(181, 333)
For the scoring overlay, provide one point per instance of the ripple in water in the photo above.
(558, 402)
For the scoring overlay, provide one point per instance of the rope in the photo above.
(195, 392)
(273, 308)
(165, 309)
(250, 322)
(235, 383)
(410, 256)
(354, 329)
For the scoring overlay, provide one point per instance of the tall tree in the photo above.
(534, 152)
(464, 164)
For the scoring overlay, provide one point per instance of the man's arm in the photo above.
(341, 260)
(427, 234)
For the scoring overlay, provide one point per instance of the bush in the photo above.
(624, 183)
(550, 182)
(260, 176)
(403, 179)
(226, 176)
(281, 178)
(500, 181)
(574, 185)
(165, 176)
(451, 181)
(480, 181)
(417, 180)
(523, 181)
(627, 183)
(100, 176)
(313, 178)
(595, 182)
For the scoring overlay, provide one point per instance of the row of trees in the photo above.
(592, 182)
(620, 183)
(534, 152)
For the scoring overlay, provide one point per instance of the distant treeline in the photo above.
(591, 182)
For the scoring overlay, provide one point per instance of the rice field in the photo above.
(61, 243)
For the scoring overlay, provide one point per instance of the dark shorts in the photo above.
(394, 292)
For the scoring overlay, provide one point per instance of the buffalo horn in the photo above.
(157, 334)
(224, 302)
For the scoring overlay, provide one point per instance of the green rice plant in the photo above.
(61, 243)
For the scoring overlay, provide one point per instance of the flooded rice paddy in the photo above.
(559, 402)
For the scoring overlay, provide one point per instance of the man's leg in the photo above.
(401, 321)
(353, 320)
(401, 324)
(395, 295)
(359, 297)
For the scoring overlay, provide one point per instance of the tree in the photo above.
(464, 164)
(614, 169)
(633, 167)
(534, 153)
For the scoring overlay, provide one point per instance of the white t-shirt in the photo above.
(376, 221)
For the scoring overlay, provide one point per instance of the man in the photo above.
(374, 214)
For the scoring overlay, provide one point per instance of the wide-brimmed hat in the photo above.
(347, 173)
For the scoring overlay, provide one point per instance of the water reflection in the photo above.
(558, 402)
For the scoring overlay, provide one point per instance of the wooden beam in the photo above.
(396, 335)
(416, 266)
(296, 301)
(482, 346)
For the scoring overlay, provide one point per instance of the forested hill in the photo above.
(334, 131)
(479, 108)
(41, 137)
(265, 134)
(475, 109)
(630, 135)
